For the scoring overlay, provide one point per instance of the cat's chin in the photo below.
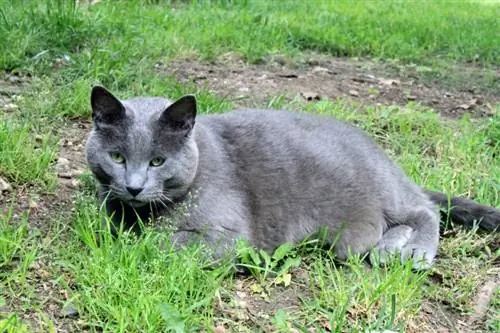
(136, 203)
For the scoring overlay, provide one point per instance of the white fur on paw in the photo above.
(422, 258)
(392, 245)
(395, 238)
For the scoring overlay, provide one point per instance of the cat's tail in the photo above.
(466, 212)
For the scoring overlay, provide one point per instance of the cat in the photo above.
(265, 176)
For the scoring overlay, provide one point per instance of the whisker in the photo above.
(161, 202)
(164, 196)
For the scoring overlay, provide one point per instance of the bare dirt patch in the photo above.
(362, 82)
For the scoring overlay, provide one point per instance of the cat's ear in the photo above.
(180, 115)
(106, 108)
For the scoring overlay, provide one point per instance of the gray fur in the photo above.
(265, 176)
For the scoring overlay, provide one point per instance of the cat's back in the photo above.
(298, 145)
(282, 131)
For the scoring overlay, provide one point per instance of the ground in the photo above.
(429, 97)
(362, 83)
(366, 83)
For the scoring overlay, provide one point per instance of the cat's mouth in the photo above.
(136, 203)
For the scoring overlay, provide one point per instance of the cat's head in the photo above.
(142, 150)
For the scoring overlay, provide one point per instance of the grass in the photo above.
(59, 269)
(24, 156)
(134, 284)
(113, 44)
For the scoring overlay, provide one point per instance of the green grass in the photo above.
(24, 156)
(134, 284)
(57, 256)
(17, 254)
(14, 240)
(104, 42)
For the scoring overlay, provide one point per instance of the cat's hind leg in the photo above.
(417, 238)
(358, 237)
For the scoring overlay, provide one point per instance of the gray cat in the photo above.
(265, 176)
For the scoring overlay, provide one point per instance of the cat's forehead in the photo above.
(145, 109)
(142, 135)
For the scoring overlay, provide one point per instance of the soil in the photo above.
(364, 83)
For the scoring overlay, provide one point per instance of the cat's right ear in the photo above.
(180, 115)
(106, 108)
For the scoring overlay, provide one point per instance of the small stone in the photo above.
(310, 96)
(390, 82)
(10, 107)
(220, 328)
(69, 311)
(353, 93)
(61, 161)
(470, 105)
(411, 97)
(65, 175)
(14, 79)
(4, 186)
(319, 69)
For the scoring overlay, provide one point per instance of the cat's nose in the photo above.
(134, 191)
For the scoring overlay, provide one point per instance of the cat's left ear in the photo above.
(106, 108)
(180, 115)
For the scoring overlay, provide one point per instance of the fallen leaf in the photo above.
(287, 278)
(256, 288)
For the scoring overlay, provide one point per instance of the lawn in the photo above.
(430, 97)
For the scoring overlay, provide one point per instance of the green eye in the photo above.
(117, 157)
(157, 161)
